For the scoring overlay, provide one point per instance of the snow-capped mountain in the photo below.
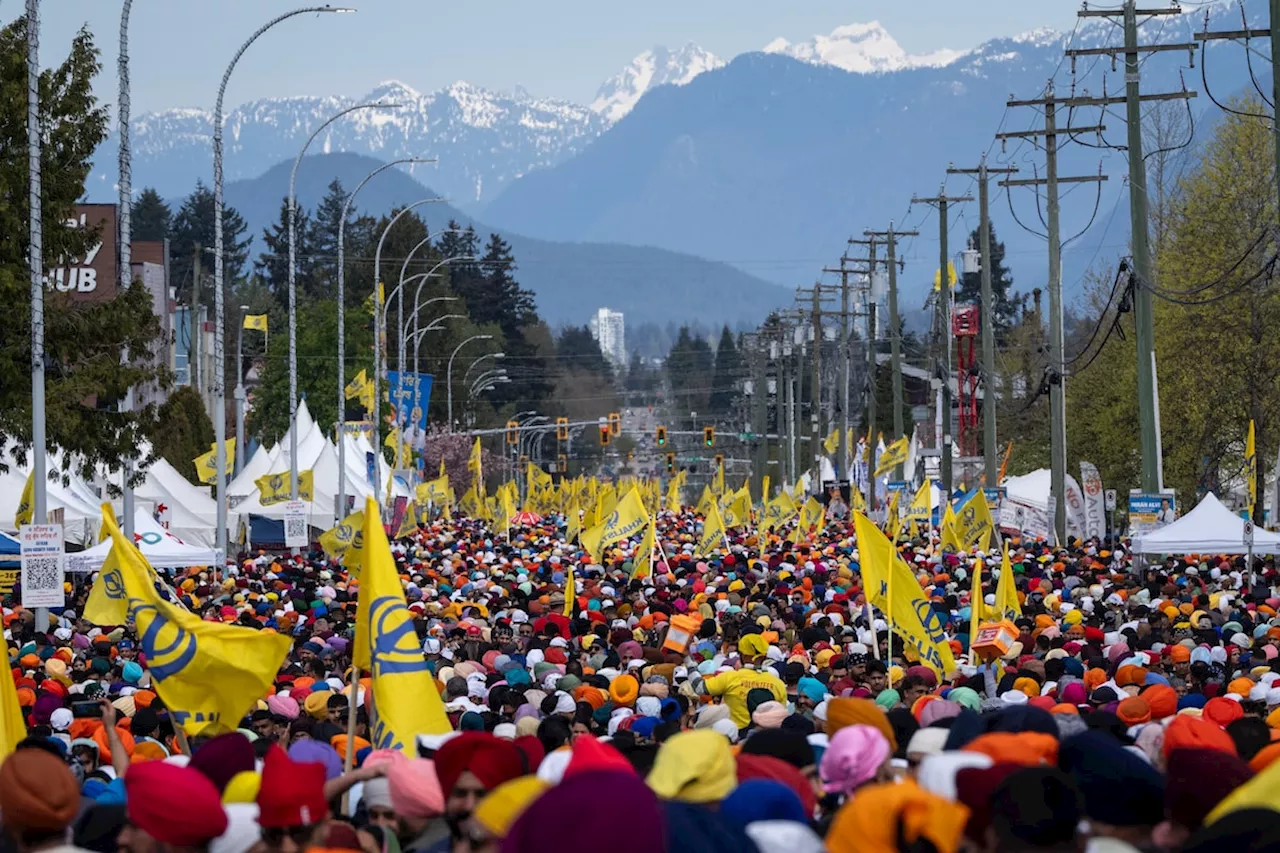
(862, 49)
(482, 139)
(656, 67)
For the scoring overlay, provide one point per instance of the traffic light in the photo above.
(662, 436)
(562, 464)
(709, 436)
(720, 460)
(671, 463)
(615, 423)
(604, 434)
(562, 429)
(513, 432)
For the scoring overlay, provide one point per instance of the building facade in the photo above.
(609, 330)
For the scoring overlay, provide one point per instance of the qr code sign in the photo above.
(42, 582)
(295, 528)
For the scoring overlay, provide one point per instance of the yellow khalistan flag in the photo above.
(969, 528)
(26, 503)
(717, 480)
(408, 524)
(1251, 468)
(13, 727)
(346, 541)
(275, 488)
(207, 463)
(857, 499)
(386, 645)
(921, 509)
(738, 513)
(434, 491)
(779, 511)
(812, 515)
(909, 613)
(764, 490)
(208, 673)
(473, 465)
(705, 502)
(255, 322)
(643, 557)
(977, 606)
(627, 518)
(673, 495)
(1006, 592)
(892, 456)
(573, 521)
(712, 533)
(947, 529)
(832, 442)
(107, 604)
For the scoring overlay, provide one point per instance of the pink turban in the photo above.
(1073, 694)
(285, 706)
(769, 715)
(853, 756)
(415, 789)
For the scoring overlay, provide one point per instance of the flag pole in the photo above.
(349, 760)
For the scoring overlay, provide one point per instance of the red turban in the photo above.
(292, 792)
(174, 805)
(492, 760)
(1222, 711)
(777, 770)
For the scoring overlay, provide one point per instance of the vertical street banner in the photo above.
(1095, 515)
(43, 565)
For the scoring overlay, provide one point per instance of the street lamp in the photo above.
(293, 292)
(487, 379)
(493, 355)
(449, 372)
(379, 320)
(35, 263)
(241, 396)
(126, 228)
(341, 509)
(219, 336)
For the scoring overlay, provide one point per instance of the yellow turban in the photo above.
(501, 806)
(694, 767)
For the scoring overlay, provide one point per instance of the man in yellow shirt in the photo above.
(734, 686)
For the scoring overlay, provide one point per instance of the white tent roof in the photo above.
(161, 548)
(80, 518)
(1209, 528)
(257, 465)
(192, 513)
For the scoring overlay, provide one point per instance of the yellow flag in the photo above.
(408, 524)
(1006, 591)
(910, 613)
(346, 541)
(713, 535)
(643, 559)
(968, 528)
(27, 502)
(573, 525)
(812, 516)
(977, 607)
(893, 516)
(207, 463)
(673, 496)
(951, 277)
(921, 509)
(705, 502)
(570, 592)
(208, 673)
(255, 322)
(764, 490)
(434, 491)
(470, 504)
(893, 456)
(625, 521)
(13, 726)
(832, 442)
(857, 499)
(1251, 468)
(275, 488)
(717, 481)
(780, 510)
(947, 528)
(357, 385)
(473, 465)
(506, 506)
(538, 478)
(404, 691)
(738, 512)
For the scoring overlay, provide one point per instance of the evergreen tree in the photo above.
(499, 299)
(689, 366)
(183, 431)
(83, 341)
(1005, 304)
(273, 264)
(577, 349)
(322, 242)
(728, 373)
(151, 216)
(192, 226)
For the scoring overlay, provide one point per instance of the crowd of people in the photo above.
(1135, 710)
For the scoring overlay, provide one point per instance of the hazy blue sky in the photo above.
(560, 48)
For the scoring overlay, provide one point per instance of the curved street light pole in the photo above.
(497, 356)
(219, 324)
(293, 289)
(449, 372)
(379, 361)
(341, 509)
(126, 228)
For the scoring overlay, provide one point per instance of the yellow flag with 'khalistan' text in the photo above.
(208, 673)
(387, 646)
(908, 611)
(812, 516)
(207, 463)
(276, 488)
(713, 533)
(346, 541)
(255, 322)
(627, 519)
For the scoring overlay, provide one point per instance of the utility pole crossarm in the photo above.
(1039, 182)
(1086, 101)
(1034, 133)
(1232, 35)
(1114, 13)
(1144, 48)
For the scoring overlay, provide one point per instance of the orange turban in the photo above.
(144, 698)
(1162, 699)
(1094, 677)
(1265, 757)
(889, 817)
(1179, 654)
(624, 689)
(1028, 749)
(1240, 686)
(1065, 709)
(843, 712)
(1130, 675)
(1221, 711)
(1027, 686)
(1133, 711)
(1192, 733)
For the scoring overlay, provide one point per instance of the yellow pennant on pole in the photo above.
(1251, 469)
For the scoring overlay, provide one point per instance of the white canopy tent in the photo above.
(1028, 504)
(80, 517)
(161, 548)
(1210, 528)
(192, 514)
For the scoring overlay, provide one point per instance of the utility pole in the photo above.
(895, 327)
(943, 370)
(845, 355)
(759, 409)
(983, 172)
(870, 389)
(1148, 406)
(195, 372)
(815, 296)
(1057, 364)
